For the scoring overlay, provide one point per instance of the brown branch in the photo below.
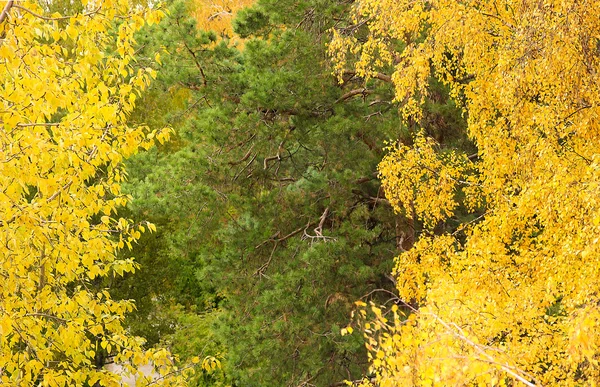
(473, 156)
(378, 101)
(190, 86)
(7, 222)
(372, 145)
(42, 271)
(369, 116)
(204, 82)
(7, 8)
(265, 265)
(380, 76)
(48, 316)
(352, 93)
(466, 79)
(586, 106)
(353, 383)
(295, 232)
(66, 186)
(276, 157)
(237, 175)
(506, 24)
(283, 238)
(243, 158)
(379, 200)
(394, 295)
(276, 241)
(270, 158)
(38, 124)
(271, 238)
(53, 18)
(241, 143)
(15, 155)
(363, 179)
(284, 179)
(17, 329)
(383, 77)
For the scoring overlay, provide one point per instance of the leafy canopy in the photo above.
(511, 297)
(67, 86)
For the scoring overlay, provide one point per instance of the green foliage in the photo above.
(271, 220)
(250, 21)
(67, 93)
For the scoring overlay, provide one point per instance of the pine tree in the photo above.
(274, 222)
(268, 193)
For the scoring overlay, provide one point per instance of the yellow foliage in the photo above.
(216, 15)
(517, 301)
(67, 86)
(420, 172)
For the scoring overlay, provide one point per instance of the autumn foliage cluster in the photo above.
(312, 142)
(510, 297)
(67, 86)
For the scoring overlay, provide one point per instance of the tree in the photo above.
(68, 85)
(511, 297)
(269, 192)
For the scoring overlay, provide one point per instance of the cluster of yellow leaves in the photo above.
(208, 364)
(216, 15)
(421, 181)
(410, 349)
(67, 86)
(516, 302)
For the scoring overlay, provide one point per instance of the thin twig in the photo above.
(53, 18)
(38, 124)
(66, 186)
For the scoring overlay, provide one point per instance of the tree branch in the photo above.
(204, 81)
(66, 186)
(277, 156)
(38, 124)
(243, 158)
(7, 8)
(364, 92)
(52, 18)
(380, 76)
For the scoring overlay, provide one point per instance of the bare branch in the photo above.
(276, 157)
(66, 186)
(243, 158)
(7, 8)
(380, 76)
(319, 230)
(352, 93)
(38, 124)
(193, 54)
(219, 14)
(52, 18)
(237, 175)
